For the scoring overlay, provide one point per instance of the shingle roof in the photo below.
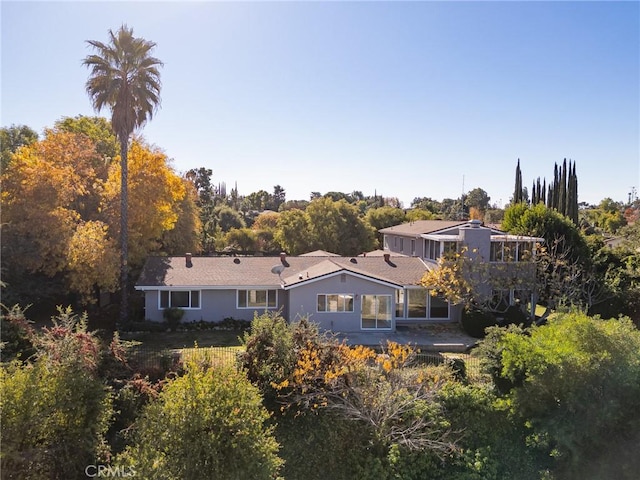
(319, 253)
(230, 272)
(421, 226)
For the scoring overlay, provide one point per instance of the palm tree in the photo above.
(124, 78)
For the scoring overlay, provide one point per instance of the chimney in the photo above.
(187, 257)
(387, 257)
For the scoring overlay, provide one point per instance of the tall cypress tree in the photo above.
(517, 190)
(572, 194)
(562, 195)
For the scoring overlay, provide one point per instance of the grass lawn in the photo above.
(173, 340)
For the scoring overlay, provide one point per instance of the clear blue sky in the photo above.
(408, 99)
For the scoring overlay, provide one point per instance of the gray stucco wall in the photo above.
(303, 301)
(402, 244)
(216, 305)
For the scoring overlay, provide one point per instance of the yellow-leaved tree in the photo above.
(51, 189)
(156, 194)
(60, 216)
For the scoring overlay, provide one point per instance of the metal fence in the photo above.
(157, 360)
(144, 359)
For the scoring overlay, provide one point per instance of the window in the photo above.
(511, 251)
(399, 303)
(432, 249)
(417, 303)
(449, 247)
(438, 307)
(376, 312)
(179, 299)
(495, 255)
(502, 299)
(335, 303)
(413, 248)
(525, 252)
(257, 298)
(402, 244)
(420, 304)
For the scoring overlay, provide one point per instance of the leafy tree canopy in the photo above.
(12, 138)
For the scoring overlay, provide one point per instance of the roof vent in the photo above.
(387, 257)
(353, 260)
(475, 223)
(187, 259)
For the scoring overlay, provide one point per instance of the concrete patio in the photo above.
(437, 337)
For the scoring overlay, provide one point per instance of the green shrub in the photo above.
(475, 321)
(173, 317)
(575, 382)
(208, 423)
(55, 408)
(269, 355)
(17, 334)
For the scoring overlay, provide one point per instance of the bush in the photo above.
(173, 317)
(514, 315)
(208, 423)
(17, 334)
(55, 408)
(475, 321)
(269, 355)
(230, 323)
(575, 382)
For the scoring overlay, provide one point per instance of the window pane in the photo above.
(242, 298)
(383, 324)
(322, 303)
(439, 307)
(376, 311)
(368, 322)
(257, 298)
(384, 307)
(400, 303)
(195, 299)
(272, 298)
(348, 303)
(384, 311)
(496, 252)
(368, 311)
(180, 299)
(509, 253)
(417, 303)
(164, 299)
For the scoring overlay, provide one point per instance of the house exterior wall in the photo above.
(216, 305)
(405, 245)
(303, 300)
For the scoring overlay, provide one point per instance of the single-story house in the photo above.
(371, 292)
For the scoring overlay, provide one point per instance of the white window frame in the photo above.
(513, 256)
(247, 292)
(403, 297)
(340, 298)
(376, 298)
(176, 290)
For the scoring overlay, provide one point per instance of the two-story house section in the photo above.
(509, 258)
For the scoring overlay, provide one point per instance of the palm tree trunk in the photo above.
(124, 233)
